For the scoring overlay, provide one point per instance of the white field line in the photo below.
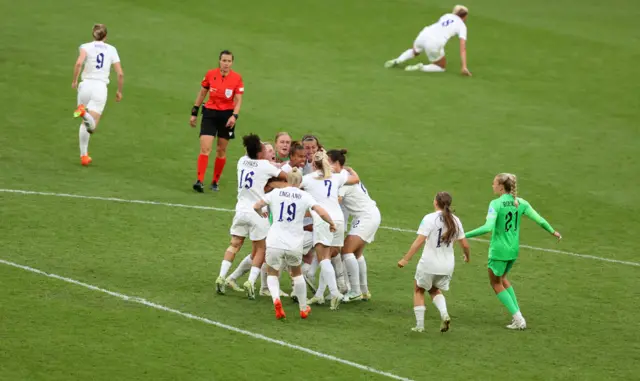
(187, 315)
(201, 207)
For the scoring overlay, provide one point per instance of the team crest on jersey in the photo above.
(228, 93)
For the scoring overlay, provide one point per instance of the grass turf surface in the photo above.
(550, 100)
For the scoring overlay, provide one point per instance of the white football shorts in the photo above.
(433, 49)
(426, 280)
(280, 258)
(365, 225)
(93, 94)
(322, 234)
(249, 223)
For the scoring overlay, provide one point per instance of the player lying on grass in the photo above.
(285, 240)
(503, 220)
(432, 40)
(439, 230)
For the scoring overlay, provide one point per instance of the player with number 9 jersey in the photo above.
(97, 57)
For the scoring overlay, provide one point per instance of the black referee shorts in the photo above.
(214, 123)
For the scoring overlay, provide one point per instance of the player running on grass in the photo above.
(504, 220)
(253, 174)
(432, 40)
(286, 238)
(97, 58)
(433, 274)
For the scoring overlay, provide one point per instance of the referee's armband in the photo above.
(194, 111)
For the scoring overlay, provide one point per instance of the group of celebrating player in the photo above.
(295, 199)
(293, 204)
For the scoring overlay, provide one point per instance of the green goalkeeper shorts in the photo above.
(500, 268)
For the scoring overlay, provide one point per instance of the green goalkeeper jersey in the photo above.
(503, 220)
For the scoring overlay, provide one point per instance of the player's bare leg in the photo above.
(441, 304)
(405, 56)
(418, 307)
(229, 255)
(206, 144)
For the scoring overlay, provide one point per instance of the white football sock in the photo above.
(406, 56)
(432, 68)
(263, 276)
(351, 263)
(300, 290)
(305, 267)
(419, 311)
(242, 268)
(313, 267)
(84, 136)
(89, 121)
(329, 276)
(518, 316)
(322, 285)
(274, 287)
(224, 268)
(362, 268)
(338, 267)
(441, 304)
(253, 275)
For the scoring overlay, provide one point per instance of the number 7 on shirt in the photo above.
(327, 183)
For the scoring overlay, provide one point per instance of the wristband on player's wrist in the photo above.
(194, 111)
(236, 116)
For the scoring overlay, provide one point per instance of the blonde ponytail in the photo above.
(514, 190)
(294, 178)
(510, 183)
(321, 162)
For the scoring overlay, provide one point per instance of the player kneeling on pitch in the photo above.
(286, 237)
(432, 40)
(439, 229)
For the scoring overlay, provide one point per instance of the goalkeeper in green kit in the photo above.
(503, 220)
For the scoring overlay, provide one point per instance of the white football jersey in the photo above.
(252, 177)
(308, 168)
(355, 199)
(288, 207)
(326, 191)
(437, 257)
(100, 57)
(448, 26)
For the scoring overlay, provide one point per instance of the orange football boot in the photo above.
(305, 313)
(85, 160)
(80, 111)
(280, 315)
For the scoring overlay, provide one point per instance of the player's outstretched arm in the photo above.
(118, 68)
(258, 208)
(463, 57)
(538, 219)
(488, 226)
(415, 246)
(82, 55)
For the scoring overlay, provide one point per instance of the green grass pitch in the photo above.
(553, 98)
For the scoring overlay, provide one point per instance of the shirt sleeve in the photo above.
(267, 198)
(273, 170)
(116, 58)
(205, 81)
(344, 177)
(240, 88)
(489, 224)
(342, 191)
(460, 229)
(462, 34)
(538, 219)
(425, 227)
(309, 200)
